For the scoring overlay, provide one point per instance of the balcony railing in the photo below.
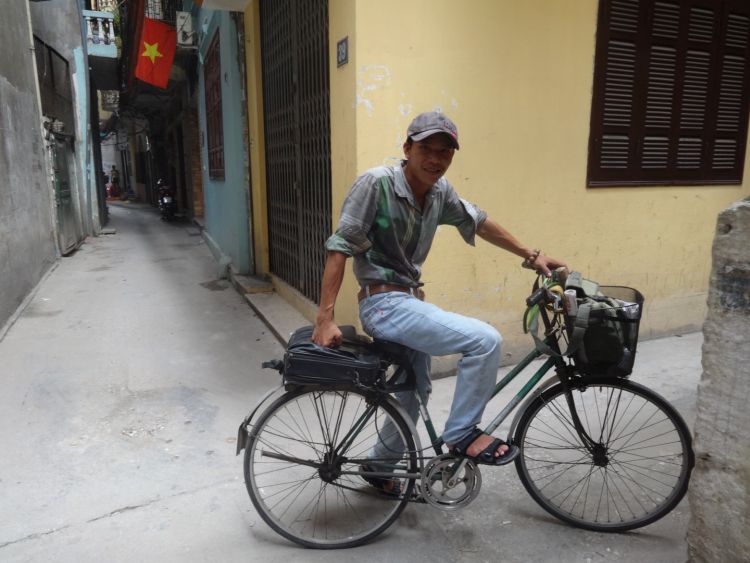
(164, 10)
(102, 49)
(100, 33)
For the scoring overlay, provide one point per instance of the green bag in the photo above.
(604, 332)
(597, 335)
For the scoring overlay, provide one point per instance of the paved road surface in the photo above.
(124, 381)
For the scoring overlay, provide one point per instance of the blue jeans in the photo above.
(430, 331)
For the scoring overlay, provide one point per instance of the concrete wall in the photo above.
(227, 200)
(720, 487)
(58, 23)
(27, 232)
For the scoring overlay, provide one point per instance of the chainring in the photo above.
(446, 490)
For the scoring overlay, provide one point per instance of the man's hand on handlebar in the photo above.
(327, 334)
(545, 264)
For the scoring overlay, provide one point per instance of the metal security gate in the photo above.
(294, 43)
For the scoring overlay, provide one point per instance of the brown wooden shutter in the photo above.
(670, 101)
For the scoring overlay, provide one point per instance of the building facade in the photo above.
(52, 186)
(223, 123)
(520, 80)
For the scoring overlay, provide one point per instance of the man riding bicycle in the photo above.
(388, 222)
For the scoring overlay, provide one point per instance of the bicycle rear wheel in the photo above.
(303, 461)
(639, 469)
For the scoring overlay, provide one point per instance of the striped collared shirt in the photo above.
(389, 236)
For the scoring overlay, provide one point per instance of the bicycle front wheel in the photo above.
(304, 459)
(635, 472)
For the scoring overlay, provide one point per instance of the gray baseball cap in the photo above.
(430, 123)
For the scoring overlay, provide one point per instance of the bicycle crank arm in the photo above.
(455, 479)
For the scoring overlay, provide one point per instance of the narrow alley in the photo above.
(124, 381)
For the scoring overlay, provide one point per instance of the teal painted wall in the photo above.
(226, 201)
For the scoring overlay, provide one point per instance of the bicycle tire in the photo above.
(638, 475)
(295, 489)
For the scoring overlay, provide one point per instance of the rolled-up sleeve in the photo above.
(357, 215)
(462, 214)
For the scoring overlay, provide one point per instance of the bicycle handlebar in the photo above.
(541, 293)
(537, 297)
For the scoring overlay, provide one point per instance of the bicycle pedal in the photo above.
(416, 494)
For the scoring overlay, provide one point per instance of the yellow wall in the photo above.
(517, 79)
(346, 162)
(253, 72)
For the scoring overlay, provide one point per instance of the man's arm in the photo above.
(493, 233)
(326, 333)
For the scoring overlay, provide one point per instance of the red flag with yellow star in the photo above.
(156, 52)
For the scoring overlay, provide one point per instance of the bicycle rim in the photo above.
(305, 497)
(638, 472)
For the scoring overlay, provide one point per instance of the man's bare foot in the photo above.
(485, 449)
(389, 486)
(479, 445)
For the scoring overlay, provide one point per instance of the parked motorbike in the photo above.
(167, 202)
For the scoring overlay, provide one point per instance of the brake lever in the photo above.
(537, 297)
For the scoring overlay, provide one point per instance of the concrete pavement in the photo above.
(124, 381)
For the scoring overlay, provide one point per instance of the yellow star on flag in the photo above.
(152, 51)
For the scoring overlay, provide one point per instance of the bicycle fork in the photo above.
(597, 449)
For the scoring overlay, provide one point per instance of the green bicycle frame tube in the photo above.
(512, 374)
(530, 384)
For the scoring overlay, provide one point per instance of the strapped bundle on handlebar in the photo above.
(600, 323)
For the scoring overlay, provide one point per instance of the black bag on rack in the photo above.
(306, 363)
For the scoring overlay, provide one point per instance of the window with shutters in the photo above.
(214, 123)
(670, 100)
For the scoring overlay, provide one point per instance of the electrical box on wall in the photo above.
(184, 25)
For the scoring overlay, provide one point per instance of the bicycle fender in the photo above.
(242, 431)
(519, 412)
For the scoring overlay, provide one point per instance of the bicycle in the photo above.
(598, 452)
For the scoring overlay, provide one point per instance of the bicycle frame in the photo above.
(637, 466)
(437, 441)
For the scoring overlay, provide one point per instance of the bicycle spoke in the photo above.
(641, 473)
(662, 459)
(643, 426)
(644, 440)
(639, 485)
(638, 490)
(298, 489)
(633, 495)
(559, 474)
(299, 460)
(563, 416)
(575, 484)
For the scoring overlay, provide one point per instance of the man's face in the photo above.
(429, 159)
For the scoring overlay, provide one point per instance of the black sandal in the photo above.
(487, 455)
(385, 485)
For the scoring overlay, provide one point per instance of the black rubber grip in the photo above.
(537, 297)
